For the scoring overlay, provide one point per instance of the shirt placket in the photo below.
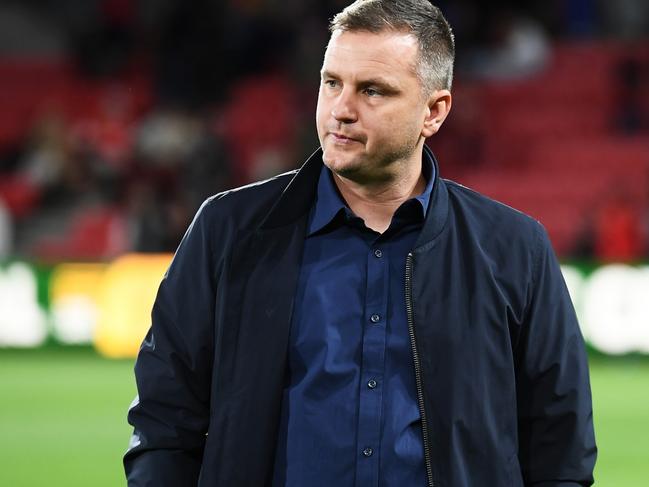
(372, 367)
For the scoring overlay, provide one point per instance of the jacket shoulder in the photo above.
(510, 243)
(489, 215)
(245, 206)
(508, 235)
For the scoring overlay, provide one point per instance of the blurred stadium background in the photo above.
(118, 117)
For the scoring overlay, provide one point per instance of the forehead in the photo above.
(361, 54)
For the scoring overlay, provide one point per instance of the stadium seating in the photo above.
(550, 145)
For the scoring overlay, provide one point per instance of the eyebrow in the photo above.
(376, 81)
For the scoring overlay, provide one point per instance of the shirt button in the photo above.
(375, 318)
(371, 384)
(378, 253)
(368, 452)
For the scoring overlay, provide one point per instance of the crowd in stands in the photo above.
(120, 116)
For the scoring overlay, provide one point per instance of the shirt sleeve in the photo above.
(170, 415)
(555, 420)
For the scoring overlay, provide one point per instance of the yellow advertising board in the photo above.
(125, 299)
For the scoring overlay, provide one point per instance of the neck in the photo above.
(376, 202)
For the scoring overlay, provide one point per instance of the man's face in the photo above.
(371, 110)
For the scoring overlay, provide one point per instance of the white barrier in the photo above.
(109, 304)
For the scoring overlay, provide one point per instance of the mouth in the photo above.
(342, 139)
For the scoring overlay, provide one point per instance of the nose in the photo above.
(344, 107)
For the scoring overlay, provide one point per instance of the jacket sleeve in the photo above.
(555, 421)
(170, 415)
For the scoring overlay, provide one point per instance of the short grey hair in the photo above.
(420, 18)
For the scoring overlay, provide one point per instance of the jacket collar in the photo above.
(298, 197)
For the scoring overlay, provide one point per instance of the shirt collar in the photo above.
(329, 203)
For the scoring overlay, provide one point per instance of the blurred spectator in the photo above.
(209, 167)
(67, 180)
(618, 234)
(146, 222)
(40, 167)
(108, 132)
(47, 153)
(519, 48)
(180, 161)
(66, 170)
(164, 138)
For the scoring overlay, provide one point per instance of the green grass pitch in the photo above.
(63, 419)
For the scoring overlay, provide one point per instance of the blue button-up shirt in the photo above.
(349, 414)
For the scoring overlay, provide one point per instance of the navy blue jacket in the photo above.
(500, 364)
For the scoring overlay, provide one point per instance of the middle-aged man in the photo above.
(364, 322)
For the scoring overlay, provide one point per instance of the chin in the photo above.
(340, 164)
(335, 156)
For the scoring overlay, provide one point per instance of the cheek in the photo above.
(382, 126)
(393, 129)
(320, 115)
(407, 123)
(321, 106)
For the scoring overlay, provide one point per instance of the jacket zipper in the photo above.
(415, 356)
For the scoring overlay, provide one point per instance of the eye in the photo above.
(330, 83)
(371, 92)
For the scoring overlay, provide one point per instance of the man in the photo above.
(365, 322)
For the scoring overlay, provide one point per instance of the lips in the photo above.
(343, 139)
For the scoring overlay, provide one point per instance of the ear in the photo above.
(437, 108)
